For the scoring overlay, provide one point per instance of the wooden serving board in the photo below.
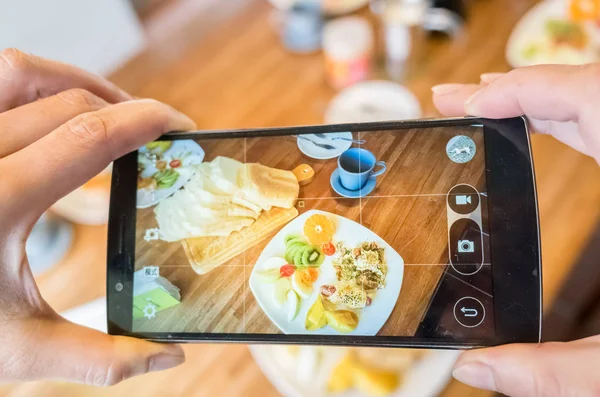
(206, 253)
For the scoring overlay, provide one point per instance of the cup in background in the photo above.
(300, 26)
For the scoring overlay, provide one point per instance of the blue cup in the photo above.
(300, 26)
(356, 166)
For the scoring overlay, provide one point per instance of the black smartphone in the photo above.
(411, 233)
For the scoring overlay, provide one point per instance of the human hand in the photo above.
(558, 100)
(48, 147)
(561, 101)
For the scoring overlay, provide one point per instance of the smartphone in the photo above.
(410, 233)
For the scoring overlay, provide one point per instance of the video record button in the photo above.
(469, 312)
(463, 199)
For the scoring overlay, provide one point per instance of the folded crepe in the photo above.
(224, 196)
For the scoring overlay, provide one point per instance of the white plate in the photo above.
(351, 233)
(318, 153)
(195, 154)
(531, 29)
(427, 378)
(372, 101)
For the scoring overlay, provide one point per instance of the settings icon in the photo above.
(150, 311)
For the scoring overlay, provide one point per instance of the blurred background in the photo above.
(263, 63)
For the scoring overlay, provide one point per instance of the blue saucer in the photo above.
(342, 191)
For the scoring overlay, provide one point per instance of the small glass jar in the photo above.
(348, 50)
(403, 36)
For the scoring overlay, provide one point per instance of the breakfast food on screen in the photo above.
(206, 253)
(295, 280)
(360, 272)
(163, 167)
(304, 174)
(225, 208)
(224, 196)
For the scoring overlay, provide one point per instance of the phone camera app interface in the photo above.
(355, 233)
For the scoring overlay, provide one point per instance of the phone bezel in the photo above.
(516, 252)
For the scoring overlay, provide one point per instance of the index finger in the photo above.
(546, 92)
(40, 174)
(25, 78)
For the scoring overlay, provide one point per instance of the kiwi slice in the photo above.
(288, 239)
(289, 258)
(320, 259)
(315, 257)
(298, 257)
(310, 256)
(291, 249)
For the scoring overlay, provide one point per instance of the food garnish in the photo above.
(302, 254)
(327, 290)
(328, 248)
(319, 229)
(302, 281)
(287, 270)
(269, 275)
(147, 183)
(280, 291)
(292, 304)
(158, 147)
(350, 295)
(175, 163)
(363, 265)
(344, 321)
(166, 178)
(161, 165)
(315, 318)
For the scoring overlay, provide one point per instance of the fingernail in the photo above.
(489, 78)
(183, 122)
(475, 374)
(444, 89)
(470, 107)
(164, 361)
(192, 123)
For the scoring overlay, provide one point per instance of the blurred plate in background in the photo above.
(307, 372)
(546, 35)
(372, 101)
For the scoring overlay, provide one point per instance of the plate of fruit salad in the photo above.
(325, 274)
(164, 167)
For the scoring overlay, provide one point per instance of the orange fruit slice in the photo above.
(319, 229)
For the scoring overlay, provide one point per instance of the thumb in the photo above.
(58, 349)
(547, 369)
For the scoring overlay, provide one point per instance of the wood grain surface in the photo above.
(227, 69)
(407, 209)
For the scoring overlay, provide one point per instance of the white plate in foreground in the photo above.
(351, 234)
(426, 378)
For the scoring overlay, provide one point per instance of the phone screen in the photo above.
(364, 233)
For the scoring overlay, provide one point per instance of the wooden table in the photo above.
(238, 75)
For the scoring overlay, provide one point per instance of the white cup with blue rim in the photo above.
(356, 166)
